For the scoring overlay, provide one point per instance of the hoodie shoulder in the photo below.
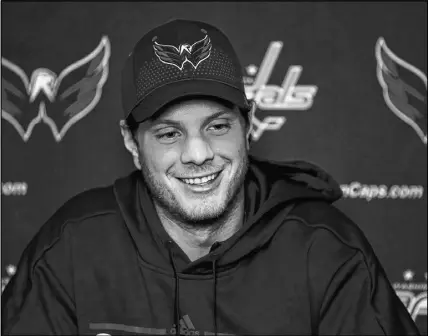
(54, 234)
(89, 203)
(318, 214)
(84, 205)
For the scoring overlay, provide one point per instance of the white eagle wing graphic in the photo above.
(200, 51)
(16, 107)
(78, 89)
(404, 88)
(169, 54)
(72, 95)
(194, 54)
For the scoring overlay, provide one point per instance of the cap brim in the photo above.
(157, 99)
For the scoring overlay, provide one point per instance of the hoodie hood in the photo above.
(270, 183)
(271, 189)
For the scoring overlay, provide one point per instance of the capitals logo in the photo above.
(194, 54)
(404, 88)
(71, 95)
(268, 97)
(413, 295)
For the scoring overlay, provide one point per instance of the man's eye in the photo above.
(168, 136)
(220, 128)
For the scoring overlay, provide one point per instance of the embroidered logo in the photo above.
(194, 54)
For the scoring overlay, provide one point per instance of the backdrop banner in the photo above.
(341, 85)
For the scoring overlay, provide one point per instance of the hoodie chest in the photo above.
(265, 294)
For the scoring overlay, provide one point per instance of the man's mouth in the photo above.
(200, 181)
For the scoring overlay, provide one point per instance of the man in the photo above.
(202, 239)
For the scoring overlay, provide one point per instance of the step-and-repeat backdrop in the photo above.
(340, 85)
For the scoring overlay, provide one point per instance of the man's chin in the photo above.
(202, 209)
(200, 219)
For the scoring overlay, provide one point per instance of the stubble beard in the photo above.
(208, 215)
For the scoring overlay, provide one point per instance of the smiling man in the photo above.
(202, 238)
(194, 158)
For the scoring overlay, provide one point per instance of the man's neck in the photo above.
(196, 242)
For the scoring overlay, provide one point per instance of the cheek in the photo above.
(157, 159)
(230, 146)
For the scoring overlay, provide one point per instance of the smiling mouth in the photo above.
(200, 180)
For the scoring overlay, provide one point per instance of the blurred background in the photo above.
(341, 85)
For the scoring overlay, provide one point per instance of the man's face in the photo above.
(194, 158)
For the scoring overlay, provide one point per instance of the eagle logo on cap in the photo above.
(194, 54)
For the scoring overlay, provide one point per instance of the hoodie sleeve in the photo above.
(350, 293)
(360, 301)
(39, 297)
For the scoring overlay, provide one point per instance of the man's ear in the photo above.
(250, 124)
(130, 143)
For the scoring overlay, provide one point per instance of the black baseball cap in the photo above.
(178, 59)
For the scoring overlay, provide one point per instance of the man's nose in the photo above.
(196, 150)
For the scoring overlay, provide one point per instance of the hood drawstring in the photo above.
(176, 317)
(215, 296)
(214, 261)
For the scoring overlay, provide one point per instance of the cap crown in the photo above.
(179, 50)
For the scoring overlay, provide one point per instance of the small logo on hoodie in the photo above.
(186, 327)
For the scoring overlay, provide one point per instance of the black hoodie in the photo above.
(103, 264)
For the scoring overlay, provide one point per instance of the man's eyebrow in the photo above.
(178, 123)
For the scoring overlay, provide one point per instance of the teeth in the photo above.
(200, 180)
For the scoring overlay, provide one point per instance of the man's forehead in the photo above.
(194, 109)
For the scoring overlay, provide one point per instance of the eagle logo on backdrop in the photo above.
(194, 54)
(71, 95)
(404, 88)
